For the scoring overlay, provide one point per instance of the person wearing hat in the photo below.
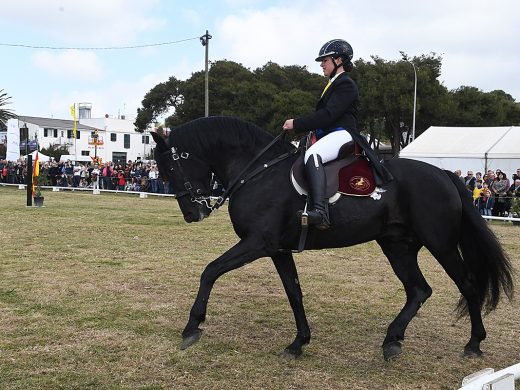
(334, 123)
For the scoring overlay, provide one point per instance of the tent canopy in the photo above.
(41, 157)
(72, 157)
(468, 148)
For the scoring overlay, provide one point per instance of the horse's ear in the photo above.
(160, 141)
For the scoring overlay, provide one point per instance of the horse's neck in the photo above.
(229, 164)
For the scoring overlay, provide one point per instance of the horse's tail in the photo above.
(483, 255)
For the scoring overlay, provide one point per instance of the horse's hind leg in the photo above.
(402, 255)
(286, 268)
(454, 266)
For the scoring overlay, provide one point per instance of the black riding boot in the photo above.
(319, 213)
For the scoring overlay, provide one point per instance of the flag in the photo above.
(73, 113)
(36, 171)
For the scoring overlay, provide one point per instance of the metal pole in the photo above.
(74, 135)
(28, 179)
(204, 40)
(414, 99)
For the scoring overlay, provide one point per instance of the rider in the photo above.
(334, 123)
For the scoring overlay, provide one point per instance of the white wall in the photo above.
(120, 127)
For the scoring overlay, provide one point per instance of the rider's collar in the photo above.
(335, 77)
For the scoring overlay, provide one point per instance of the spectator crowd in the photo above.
(493, 192)
(132, 176)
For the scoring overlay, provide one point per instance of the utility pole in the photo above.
(414, 98)
(204, 40)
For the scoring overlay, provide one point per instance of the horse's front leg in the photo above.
(286, 268)
(242, 253)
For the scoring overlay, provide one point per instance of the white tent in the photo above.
(468, 148)
(71, 157)
(41, 157)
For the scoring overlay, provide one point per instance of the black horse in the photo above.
(422, 206)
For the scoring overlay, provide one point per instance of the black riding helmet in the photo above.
(337, 48)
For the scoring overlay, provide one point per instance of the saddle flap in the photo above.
(350, 174)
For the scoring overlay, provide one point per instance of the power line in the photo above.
(96, 48)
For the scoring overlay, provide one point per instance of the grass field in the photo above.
(95, 291)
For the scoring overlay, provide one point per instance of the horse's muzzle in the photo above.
(203, 212)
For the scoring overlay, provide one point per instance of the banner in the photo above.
(13, 140)
(73, 113)
(31, 146)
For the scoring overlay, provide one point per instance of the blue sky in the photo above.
(477, 40)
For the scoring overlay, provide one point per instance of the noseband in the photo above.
(194, 194)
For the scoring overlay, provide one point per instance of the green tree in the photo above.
(387, 94)
(158, 101)
(55, 151)
(265, 96)
(5, 113)
(271, 93)
(476, 108)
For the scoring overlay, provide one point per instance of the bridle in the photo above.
(196, 195)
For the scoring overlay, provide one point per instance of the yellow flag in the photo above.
(73, 113)
(36, 173)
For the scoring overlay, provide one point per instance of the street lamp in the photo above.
(414, 99)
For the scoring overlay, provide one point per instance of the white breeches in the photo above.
(328, 147)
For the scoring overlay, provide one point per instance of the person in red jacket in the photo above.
(334, 123)
(121, 180)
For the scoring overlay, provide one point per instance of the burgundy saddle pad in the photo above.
(352, 175)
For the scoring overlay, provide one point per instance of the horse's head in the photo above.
(189, 176)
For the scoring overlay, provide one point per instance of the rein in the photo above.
(196, 195)
(239, 180)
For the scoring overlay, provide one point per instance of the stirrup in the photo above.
(319, 219)
(321, 224)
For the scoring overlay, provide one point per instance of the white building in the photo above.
(111, 139)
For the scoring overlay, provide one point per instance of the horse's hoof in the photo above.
(471, 353)
(188, 341)
(391, 350)
(291, 354)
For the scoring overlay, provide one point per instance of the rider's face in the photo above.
(327, 64)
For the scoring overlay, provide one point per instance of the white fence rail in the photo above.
(487, 379)
(511, 219)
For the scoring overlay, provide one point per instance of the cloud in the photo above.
(69, 64)
(79, 23)
(475, 40)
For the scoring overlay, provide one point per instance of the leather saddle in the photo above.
(349, 174)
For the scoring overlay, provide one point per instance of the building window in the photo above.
(127, 141)
(47, 132)
(85, 152)
(78, 134)
(113, 137)
(119, 157)
(69, 133)
(146, 139)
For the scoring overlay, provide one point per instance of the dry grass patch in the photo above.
(95, 290)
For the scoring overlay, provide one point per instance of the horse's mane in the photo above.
(220, 133)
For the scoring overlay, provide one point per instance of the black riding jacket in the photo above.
(338, 108)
